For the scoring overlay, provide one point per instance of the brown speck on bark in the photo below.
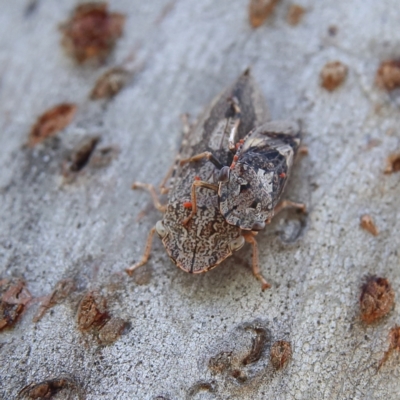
(295, 14)
(15, 296)
(111, 330)
(333, 75)
(258, 347)
(49, 388)
(392, 164)
(52, 121)
(332, 30)
(376, 300)
(281, 352)
(91, 32)
(102, 157)
(110, 83)
(367, 223)
(394, 337)
(92, 311)
(260, 10)
(388, 75)
(79, 157)
(60, 293)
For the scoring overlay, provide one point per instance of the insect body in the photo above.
(250, 189)
(200, 243)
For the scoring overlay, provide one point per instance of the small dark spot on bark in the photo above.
(257, 349)
(80, 156)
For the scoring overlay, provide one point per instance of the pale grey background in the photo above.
(88, 230)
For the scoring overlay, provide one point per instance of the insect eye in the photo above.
(237, 243)
(224, 174)
(160, 228)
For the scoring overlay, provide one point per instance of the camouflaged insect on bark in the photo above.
(251, 187)
(207, 239)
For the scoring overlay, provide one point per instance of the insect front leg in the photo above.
(249, 237)
(193, 203)
(201, 156)
(146, 254)
(289, 204)
(150, 188)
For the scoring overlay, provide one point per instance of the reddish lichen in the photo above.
(333, 75)
(51, 121)
(376, 300)
(281, 352)
(91, 32)
(260, 10)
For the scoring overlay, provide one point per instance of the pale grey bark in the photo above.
(87, 230)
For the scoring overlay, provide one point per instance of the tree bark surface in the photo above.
(206, 336)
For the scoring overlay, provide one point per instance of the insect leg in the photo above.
(207, 155)
(289, 204)
(249, 237)
(193, 203)
(146, 254)
(150, 188)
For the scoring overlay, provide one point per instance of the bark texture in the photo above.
(209, 336)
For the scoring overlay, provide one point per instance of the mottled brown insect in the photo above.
(250, 188)
(199, 242)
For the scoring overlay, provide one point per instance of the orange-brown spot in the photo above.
(295, 14)
(197, 178)
(260, 10)
(281, 352)
(394, 337)
(282, 175)
(388, 75)
(368, 224)
(92, 31)
(392, 164)
(376, 300)
(333, 75)
(52, 121)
